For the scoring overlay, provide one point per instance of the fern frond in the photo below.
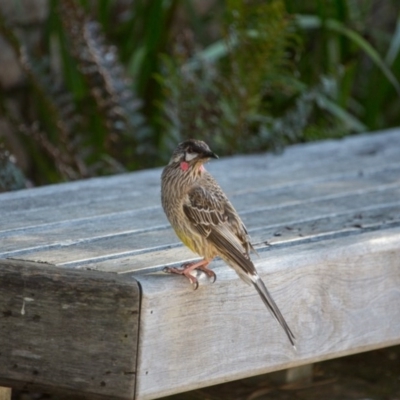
(105, 76)
(57, 106)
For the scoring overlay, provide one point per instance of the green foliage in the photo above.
(243, 92)
(114, 85)
(222, 93)
(347, 41)
(87, 121)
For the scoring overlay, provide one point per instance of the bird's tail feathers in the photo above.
(271, 305)
(230, 250)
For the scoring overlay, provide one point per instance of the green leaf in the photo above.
(314, 22)
(349, 120)
(394, 47)
(211, 54)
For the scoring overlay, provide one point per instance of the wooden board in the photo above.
(68, 331)
(339, 296)
(82, 224)
(147, 220)
(299, 220)
(325, 218)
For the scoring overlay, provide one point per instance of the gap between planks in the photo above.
(270, 189)
(245, 215)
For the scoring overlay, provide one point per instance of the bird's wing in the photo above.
(204, 210)
(213, 216)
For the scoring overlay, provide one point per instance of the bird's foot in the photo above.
(187, 268)
(183, 271)
(202, 266)
(210, 273)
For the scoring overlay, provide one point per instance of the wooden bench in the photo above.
(85, 308)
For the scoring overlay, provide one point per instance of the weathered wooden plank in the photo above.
(292, 233)
(121, 216)
(69, 331)
(266, 222)
(339, 297)
(298, 163)
(67, 211)
(118, 214)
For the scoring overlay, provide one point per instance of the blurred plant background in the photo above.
(99, 87)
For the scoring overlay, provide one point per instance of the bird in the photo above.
(205, 221)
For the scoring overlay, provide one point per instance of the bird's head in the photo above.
(192, 153)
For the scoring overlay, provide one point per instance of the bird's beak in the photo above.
(209, 154)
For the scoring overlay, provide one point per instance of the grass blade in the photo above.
(314, 22)
(394, 47)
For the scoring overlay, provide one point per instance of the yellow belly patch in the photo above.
(186, 240)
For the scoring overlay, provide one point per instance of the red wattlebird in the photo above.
(206, 221)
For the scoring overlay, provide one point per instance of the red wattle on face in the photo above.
(184, 166)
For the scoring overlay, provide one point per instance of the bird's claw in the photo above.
(195, 284)
(183, 271)
(186, 268)
(211, 274)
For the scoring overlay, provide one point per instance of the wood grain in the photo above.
(285, 201)
(313, 217)
(338, 296)
(69, 331)
(287, 233)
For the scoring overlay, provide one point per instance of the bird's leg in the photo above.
(187, 268)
